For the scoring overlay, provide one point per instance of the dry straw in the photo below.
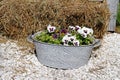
(20, 18)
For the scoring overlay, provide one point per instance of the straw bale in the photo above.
(18, 19)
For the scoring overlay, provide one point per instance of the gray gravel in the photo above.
(104, 64)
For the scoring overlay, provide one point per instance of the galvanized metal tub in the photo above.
(64, 57)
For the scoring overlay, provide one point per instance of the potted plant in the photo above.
(65, 48)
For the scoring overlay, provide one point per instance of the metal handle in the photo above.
(97, 43)
(29, 38)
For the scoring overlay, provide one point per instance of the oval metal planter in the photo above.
(64, 57)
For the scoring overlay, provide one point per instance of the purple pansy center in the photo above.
(76, 43)
(71, 28)
(66, 41)
(85, 31)
(83, 35)
(76, 28)
(51, 29)
(71, 39)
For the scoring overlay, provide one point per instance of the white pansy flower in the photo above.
(72, 27)
(65, 39)
(76, 43)
(51, 29)
(68, 38)
(83, 34)
(87, 30)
